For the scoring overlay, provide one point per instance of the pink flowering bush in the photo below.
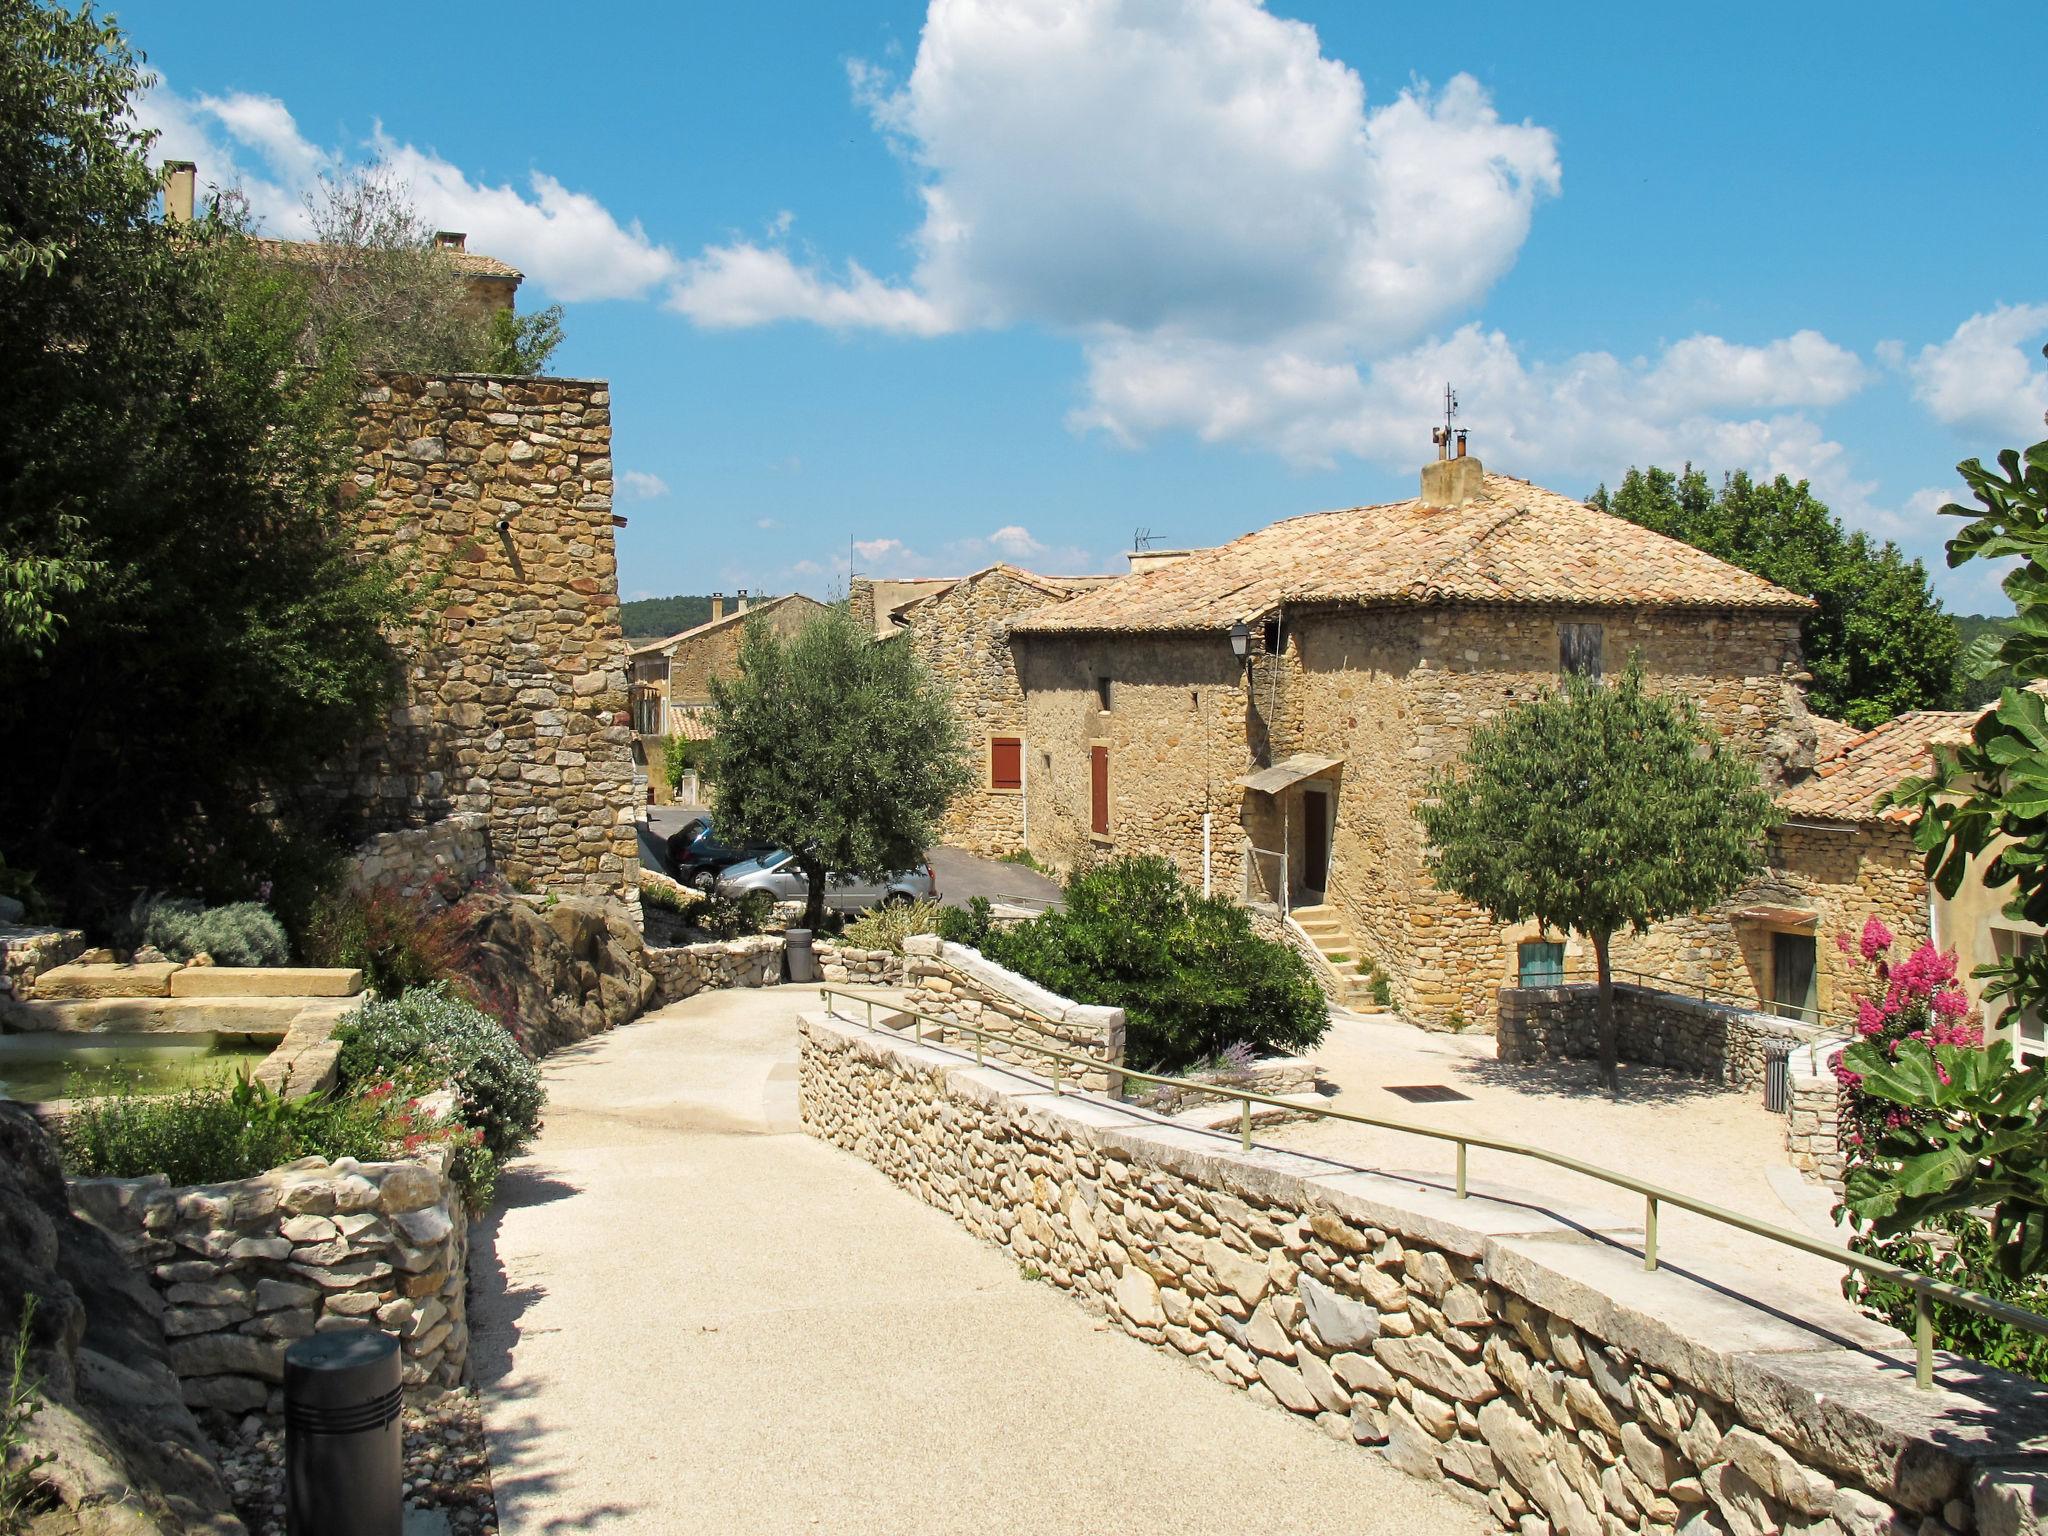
(1917, 998)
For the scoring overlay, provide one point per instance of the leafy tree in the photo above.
(1879, 643)
(651, 617)
(1594, 809)
(1191, 975)
(381, 293)
(835, 746)
(1983, 811)
(185, 629)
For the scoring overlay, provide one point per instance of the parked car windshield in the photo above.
(773, 861)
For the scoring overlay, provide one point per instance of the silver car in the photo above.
(782, 877)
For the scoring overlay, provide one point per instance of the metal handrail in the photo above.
(1925, 1288)
(1709, 994)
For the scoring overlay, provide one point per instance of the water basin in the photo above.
(36, 1068)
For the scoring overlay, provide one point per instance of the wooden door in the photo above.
(1315, 836)
(1098, 791)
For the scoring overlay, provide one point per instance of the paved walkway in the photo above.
(1689, 1136)
(693, 1317)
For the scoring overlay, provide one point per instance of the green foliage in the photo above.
(18, 1405)
(426, 1039)
(657, 890)
(243, 933)
(734, 917)
(1974, 1135)
(393, 941)
(679, 755)
(841, 748)
(1983, 812)
(1879, 643)
(650, 618)
(185, 626)
(1970, 690)
(217, 1131)
(970, 927)
(20, 884)
(1190, 974)
(1023, 856)
(1956, 1248)
(887, 927)
(1596, 808)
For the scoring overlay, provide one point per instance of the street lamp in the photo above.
(1240, 639)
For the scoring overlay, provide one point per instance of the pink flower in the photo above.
(1876, 938)
(1951, 1002)
(1869, 1017)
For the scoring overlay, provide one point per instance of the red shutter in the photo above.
(1098, 790)
(1005, 762)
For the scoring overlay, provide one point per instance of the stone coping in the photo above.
(1834, 1388)
(1029, 995)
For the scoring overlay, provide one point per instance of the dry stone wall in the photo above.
(962, 986)
(26, 951)
(414, 860)
(687, 969)
(1528, 1364)
(245, 1268)
(1657, 1029)
(1813, 1111)
(848, 965)
(514, 701)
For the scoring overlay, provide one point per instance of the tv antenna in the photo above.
(1444, 435)
(1143, 538)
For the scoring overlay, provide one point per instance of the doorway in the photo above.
(1792, 976)
(1315, 841)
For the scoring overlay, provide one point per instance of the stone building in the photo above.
(1266, 713)
(514, 700)
(961, 631)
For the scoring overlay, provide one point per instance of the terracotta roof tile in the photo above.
(1847, 784)
(468, 263)
(1517, 543)
(1830, 736)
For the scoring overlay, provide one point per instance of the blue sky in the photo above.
(1012, 278)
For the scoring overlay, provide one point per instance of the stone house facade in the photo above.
(514, 688)
(961, 632)
(1268, 712)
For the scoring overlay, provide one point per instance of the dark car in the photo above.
(697, 858)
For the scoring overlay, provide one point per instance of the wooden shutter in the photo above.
(1098, 790)
(1005, 762)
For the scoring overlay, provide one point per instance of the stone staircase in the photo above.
(1327, 930)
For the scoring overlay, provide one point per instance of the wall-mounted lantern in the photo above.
(1240, 639)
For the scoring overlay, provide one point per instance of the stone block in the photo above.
(77, 981)
(265, 981)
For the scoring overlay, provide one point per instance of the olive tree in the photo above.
(837, 746)
(1595, 809)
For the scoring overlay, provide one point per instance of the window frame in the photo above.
(995, 784)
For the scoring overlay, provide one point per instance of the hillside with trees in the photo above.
(656, 618)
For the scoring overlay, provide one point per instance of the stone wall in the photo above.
(958, 984)
(514, 699)
(845, 965)
(687, 969)
(1525, 1361)
(413, 860)
(1813, 1111)
(26, 951)
(1656, 1029)
(715, 652)
(244, 1268)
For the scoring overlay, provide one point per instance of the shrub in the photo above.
(217, 1131)
(425, 1039)
(970, 927)
(658, 890)
(1192, 977)
(242, 933)
(396, 943)
(734, 917)
(1917, 998)
(1957, 1248)
(887, 927)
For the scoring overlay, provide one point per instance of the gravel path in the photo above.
(690, 1316)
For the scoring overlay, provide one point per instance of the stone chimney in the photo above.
(717, 606)
(740, 603)
(180, 179)
(449, 240)
(1453, 482)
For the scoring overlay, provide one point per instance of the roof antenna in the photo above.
(1143, 538)
(1444, 435)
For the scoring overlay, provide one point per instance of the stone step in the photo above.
(167, 1015)
(265, 981)
(75, 980)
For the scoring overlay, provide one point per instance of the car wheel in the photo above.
(897, 899)
(705, 880)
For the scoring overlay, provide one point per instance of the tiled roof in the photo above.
(1846, 785)
(1516, 543)
(692, 722)
(724, 621)
(1051, 586)
(468, 263)
(1830, 736)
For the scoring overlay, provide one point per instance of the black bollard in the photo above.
(344, 1448)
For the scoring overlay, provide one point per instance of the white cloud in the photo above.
(1016, 543)
(1193, 168)
(766, 523)
(638, 485)
(1987, 379)
(566, 242)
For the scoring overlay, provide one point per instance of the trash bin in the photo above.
(344, 1448)
(1778, 1074)
(801, 958)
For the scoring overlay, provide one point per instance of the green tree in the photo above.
(1983, 811)
(1879, 642)
(835, 746)
(1594, 809)
(185, 630)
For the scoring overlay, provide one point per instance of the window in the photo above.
(1102, 691)
(1269, 636)
(2023, 1026)
(1005, 762)
(1539, 964)
(1098, 791)
(1578, 649)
